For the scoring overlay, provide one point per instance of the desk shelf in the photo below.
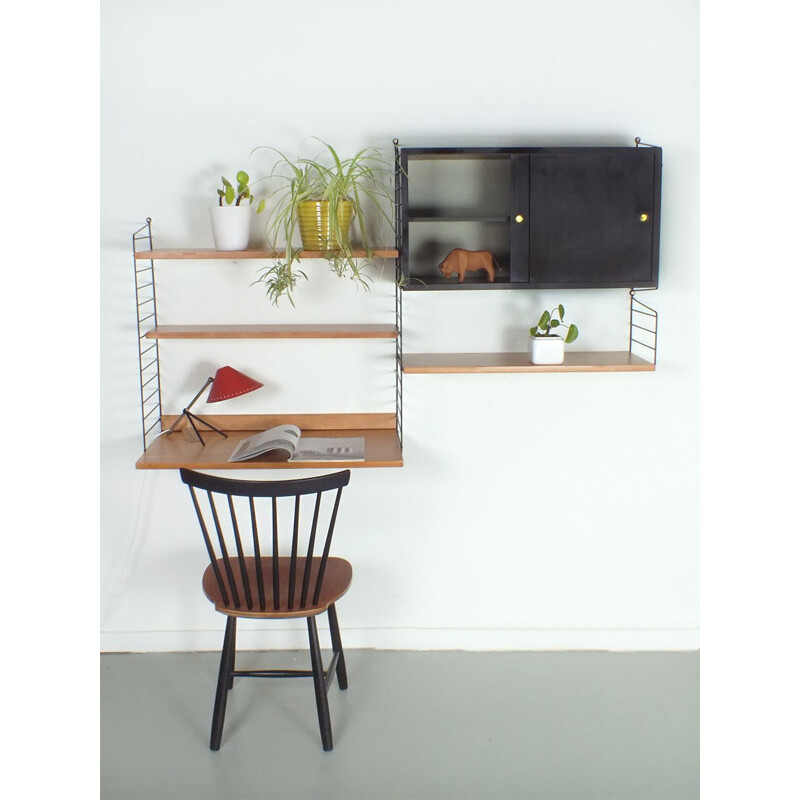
(175, 450)
(600, 361)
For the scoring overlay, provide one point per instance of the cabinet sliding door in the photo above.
(594, 217)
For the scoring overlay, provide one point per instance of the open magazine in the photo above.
(286, 441)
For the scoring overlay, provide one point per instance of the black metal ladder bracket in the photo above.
(146, 315)
(646, 316)
(398, 295)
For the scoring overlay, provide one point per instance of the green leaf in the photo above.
(544, 320)
(572, 334)
(229, 194)
(261, 205)
(561, 311)
(554, 323)
(242, 177)
(225, 181)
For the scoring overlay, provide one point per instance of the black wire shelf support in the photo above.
(398, 296)
(147, 317)
(643, 324)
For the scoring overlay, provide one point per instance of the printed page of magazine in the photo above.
(318, 448)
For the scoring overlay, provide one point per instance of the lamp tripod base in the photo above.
(194, 421)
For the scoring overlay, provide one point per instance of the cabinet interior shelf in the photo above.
(175, 450)
(234, 255)
(425, 283)
(598, 361)
(273, 332)
(455, 217)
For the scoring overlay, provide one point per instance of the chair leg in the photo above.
(336, 641)
(233, 654)
(223, 680)
(319, 686)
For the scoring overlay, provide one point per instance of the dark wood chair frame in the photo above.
(266, 587)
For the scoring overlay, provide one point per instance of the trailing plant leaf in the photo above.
(572, 334)
(280, 280)
(402, 282)
(561, 311)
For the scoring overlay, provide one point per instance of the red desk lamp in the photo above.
(228, 382)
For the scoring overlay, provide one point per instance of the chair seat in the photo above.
(338, 574)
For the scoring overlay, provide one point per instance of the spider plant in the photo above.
(280, 279)
(347, 188)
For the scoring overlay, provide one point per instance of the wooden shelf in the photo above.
(175, 450)
(601, 361)
(273, 332)
(234, 255)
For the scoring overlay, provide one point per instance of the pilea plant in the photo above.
(234, 197)
(554, 319)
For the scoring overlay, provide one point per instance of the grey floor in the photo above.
(417, 725)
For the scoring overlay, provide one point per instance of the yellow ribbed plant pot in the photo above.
(313, 218)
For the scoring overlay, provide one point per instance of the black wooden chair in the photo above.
(297, 577)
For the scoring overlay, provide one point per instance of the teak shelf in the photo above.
(273, 332)
(173, 253)
(600, 361)
(175, 450)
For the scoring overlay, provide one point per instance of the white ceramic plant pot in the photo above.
(230, 226)
(547, 350)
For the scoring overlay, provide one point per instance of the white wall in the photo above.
(578, 526)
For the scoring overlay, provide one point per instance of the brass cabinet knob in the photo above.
(519, 218)
(643, 217)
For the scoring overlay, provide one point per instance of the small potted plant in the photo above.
(547, 347)
(230, 218)
(321, 198)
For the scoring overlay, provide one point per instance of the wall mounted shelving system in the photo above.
(519, 172)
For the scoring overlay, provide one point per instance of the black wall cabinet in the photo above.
(564, 217)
